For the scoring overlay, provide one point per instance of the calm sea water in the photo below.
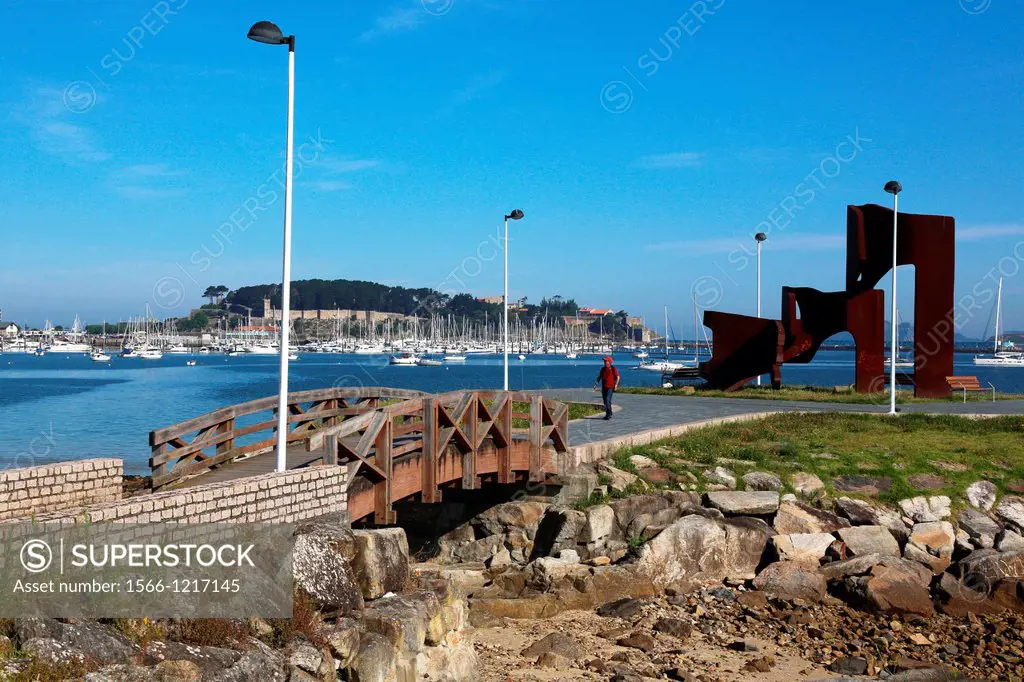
(61, 407)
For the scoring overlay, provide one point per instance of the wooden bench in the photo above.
(969, 384)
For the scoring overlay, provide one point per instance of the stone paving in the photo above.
(639, 413)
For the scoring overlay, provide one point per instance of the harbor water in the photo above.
(61, 407)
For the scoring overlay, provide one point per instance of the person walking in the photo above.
(608, 382)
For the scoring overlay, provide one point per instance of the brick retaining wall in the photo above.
(285, 497)
(34, 491)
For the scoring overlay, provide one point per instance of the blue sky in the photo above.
(646, 143)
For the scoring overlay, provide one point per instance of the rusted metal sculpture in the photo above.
(747, 347)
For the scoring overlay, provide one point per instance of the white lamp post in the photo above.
(268, 33)
(514, 215)
(894, 188)
(760, 238)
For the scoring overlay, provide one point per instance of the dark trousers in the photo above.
(606, 395)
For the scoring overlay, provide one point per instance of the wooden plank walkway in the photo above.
(297, 457)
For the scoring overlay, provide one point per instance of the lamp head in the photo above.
(760, 237)
(893, 187)
(516, 214)
(267, 32)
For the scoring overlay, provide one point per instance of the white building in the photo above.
(9, 329)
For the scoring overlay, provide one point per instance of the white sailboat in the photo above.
(1000, 358)
(662, 366)
(403, 359)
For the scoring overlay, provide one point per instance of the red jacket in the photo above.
(608, 377)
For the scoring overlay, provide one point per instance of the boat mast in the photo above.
(666, 332)
(999, 312)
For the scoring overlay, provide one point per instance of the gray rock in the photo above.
(381, 561)
(808, 485)
(744, 503)
(479, 551)
(691, 550)
(408, 621)
(862, 513)
(981, 494)
(629, 508)
(980, 527)
(599, 525)
(862, 540)
(1010, 541)
(796, 517)
(208, 660)
(501, 518)
(1011, 510)
(992, 566)
(343, 639)
(759, 480)
(788, 580)
(867, 564)
(926, 509)
(259, 663)
(570, 555)
(721, 476)
(641, 522)
(558, 530)
(309, 658)
(374, 662)
(322, 568)
(56, 642)
(805, 548)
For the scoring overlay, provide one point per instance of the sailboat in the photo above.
(663, 366)
(1000, 358)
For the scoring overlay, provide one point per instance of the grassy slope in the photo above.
(862, 444)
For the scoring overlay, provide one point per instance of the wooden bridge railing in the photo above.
(418, 445)
(213, 439)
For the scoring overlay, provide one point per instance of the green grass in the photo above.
(576, 411)
(868, 445)
(816, 394)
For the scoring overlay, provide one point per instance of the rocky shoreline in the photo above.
(715, 586)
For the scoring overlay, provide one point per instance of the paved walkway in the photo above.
(639, 413)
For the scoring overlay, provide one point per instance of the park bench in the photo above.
(969, 384)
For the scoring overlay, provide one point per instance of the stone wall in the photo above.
(285, 497)
(33, 491)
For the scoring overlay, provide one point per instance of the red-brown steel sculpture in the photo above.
(747, 347)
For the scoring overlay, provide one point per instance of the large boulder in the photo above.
(374, 661)
(501, 518)
(558, 530)
(457, 663)
(796, 517)
(61, 643)
(804, 548)
(696, 550)
(599, 525)
(861, 540)
(789, 580)
(381, 561)
(1011, 510)
(980, 527)
(750, 503)
(932, 545)
(884, 583)
(926, 509)
(861, 513)
(322, 567)
(981, 494)
(408, 621)
(618, 480)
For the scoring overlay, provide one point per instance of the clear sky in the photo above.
(645, 141)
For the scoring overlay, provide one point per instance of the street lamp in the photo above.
(894, 188)
(516, 214)
(268, 33)
(760, 238)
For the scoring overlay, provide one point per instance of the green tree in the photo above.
(210, 293)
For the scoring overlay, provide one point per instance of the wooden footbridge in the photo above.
(398, 444)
